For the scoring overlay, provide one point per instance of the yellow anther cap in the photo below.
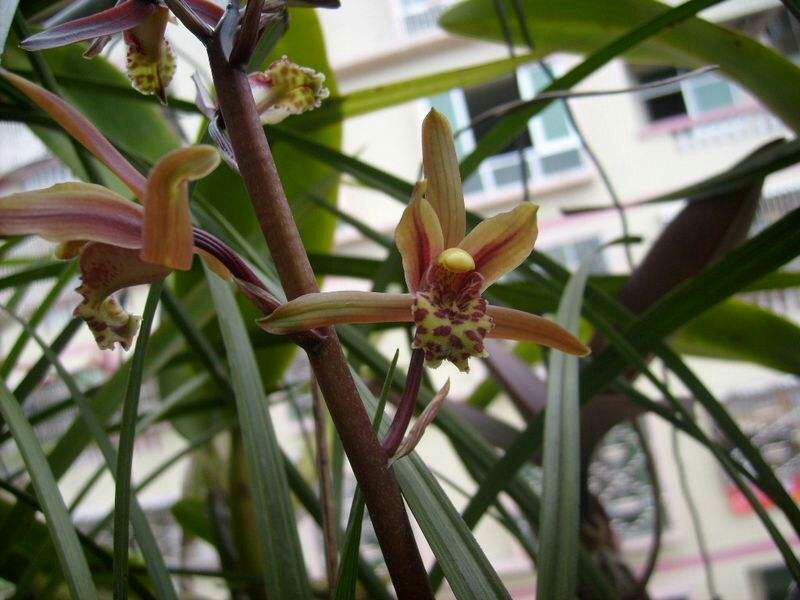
(457, 260)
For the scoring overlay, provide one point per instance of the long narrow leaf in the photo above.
(62, 532)
(130, 410)
(282, 558)
(560, 511)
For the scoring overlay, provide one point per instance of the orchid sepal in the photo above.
(105, 23)
(167, 235)
(322, 309)
(440, 165)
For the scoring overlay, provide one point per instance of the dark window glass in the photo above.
(665, 107)
(660, 103)
(489, 95)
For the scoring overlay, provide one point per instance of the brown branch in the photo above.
(381, 491)
(247, 37)
(190, 20)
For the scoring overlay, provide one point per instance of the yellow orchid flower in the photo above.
(445, 270)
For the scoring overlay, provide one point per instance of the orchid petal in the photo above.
(150, 61)
(105, 269)
(323, 309)
(80, 128)
(418, 237)
(108, 22)
(286, 89)
(168, 237)
(73, 211)
(501, 243)
(511, 324)
(440, 164)
(411, 440)
(207, 11)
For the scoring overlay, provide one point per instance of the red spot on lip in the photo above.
(455, 341)
(442, 330)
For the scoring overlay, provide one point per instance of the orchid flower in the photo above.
(446, 272)
(117, 242)
(282, 90)
(150, 59)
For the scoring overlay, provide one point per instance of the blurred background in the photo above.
(648, 142)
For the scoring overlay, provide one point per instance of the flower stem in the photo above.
(405, 408)
(381, 491)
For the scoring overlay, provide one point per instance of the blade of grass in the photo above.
(44, 271)
(283, 564)
(130, 410)
(62, 532)
(10, 361)
(346, 579)
(560, 510)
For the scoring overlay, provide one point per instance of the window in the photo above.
(420, 16)
(549, 146)
(710, 93)
(692, 97)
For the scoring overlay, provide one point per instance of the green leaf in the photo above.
(736, 330)
(584, 26)
(192, 516)
(468, 571)
(771, 157)
(561, 463)
(130, 412)
(370, 99)
(47, 270)
(7, 11)
(281, 555)
(65, 277)
(65, 539)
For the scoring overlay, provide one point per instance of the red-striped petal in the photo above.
(500, 244)
(80, 128)
(511, 324)
(418, 238)
(108, 22)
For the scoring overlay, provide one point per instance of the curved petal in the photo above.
(418, 238)
(168, 236)
(337, 308)
(80, 128)
(440, 164)
(511, 324)
(73, 211)
(500, 244)
(108, 22)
